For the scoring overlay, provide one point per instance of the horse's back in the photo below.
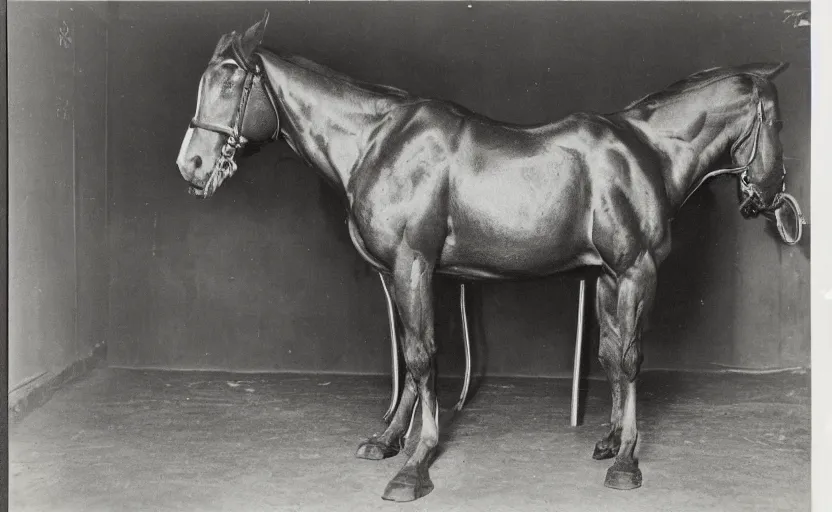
(519, 199)
(553, 197)
(510, 200)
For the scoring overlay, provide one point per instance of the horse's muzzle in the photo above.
(196, 191)
(751, 207)
(783, 210)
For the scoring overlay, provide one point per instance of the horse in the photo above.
(434, 189)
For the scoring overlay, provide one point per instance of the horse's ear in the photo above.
(254, 35)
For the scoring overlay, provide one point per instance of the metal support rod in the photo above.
(576, 366)
(394, 350)
(467, 342)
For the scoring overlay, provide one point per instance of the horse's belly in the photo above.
(519, 213)
(510, 256)
(526, 238)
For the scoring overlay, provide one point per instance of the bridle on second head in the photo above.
(753, 204)
(225, 165)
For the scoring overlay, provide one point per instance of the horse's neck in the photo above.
(690, 140)
(325, 117)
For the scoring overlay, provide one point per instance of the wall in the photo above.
(263, 275)
(4, 256)
(57, 249)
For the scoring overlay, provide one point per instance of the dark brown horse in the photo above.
(433, 188)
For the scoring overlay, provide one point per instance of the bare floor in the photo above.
(125, 440)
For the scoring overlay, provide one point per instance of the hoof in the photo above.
(373, 449)
(410, 484)
(605, 450)
(623, 476)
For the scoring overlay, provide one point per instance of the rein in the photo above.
(225, 166)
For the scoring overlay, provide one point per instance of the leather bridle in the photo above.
(752, 204)
(225, 166)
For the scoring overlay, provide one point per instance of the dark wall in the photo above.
(263, 276)
(57, 250)
(4, 258)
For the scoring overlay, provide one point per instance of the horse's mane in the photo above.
(320, 69)
(701, 79)
(224, 50)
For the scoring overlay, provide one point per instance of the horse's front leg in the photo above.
(606, 297)
(413, 278)
(391, 441)
(620, 353)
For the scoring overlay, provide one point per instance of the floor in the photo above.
(123, 440)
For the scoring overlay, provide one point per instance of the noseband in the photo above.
(225, 166)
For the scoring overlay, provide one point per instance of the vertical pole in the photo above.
(394, 350)
(576, 366)
(466, 339)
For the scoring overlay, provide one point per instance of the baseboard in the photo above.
(554, 375)
(38, 390)
(272, 371)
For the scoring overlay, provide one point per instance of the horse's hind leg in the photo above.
(413, 283)
(620, 353)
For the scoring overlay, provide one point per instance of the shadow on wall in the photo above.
(692, 309)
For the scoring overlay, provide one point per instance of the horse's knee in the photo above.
(418, 356)
(609, 355)
(620, 358)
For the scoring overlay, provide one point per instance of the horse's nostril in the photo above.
(197, 160)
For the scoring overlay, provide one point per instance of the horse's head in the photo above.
(762, 177)
(758, 154)
(235, 105)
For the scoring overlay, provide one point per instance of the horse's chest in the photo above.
(379, 222)
(396, 205)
